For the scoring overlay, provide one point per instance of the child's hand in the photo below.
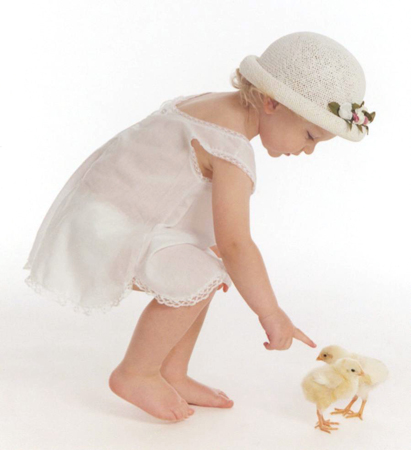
(280, 331)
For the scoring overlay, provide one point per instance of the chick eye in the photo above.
(352, 370)
(325, 354)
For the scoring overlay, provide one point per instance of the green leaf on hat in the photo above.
(334, 107)
(366, 128)
(356, 106)
(360, 128)
(370, 116)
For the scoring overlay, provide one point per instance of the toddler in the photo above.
(163, 208)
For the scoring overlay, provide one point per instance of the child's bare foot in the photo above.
(196, 393)
(151, 393)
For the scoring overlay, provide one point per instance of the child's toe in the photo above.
(224, 402)
(223, 393)
(179, 413)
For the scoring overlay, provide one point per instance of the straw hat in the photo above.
(317, 78)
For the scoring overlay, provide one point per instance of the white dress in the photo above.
(138, 211)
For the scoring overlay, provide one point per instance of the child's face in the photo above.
(283, 132)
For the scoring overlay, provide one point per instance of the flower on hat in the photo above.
(345, 111)
(353, 113)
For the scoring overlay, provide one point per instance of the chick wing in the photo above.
(327, 376)
(376, 369)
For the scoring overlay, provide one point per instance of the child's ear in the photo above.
(269, 104)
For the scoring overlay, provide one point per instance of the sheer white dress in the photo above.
(138, 211)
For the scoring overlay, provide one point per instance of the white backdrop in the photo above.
(333, 227)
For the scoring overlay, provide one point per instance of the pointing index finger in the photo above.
(298, 334)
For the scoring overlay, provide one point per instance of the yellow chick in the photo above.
(327, 384)
(376, 372)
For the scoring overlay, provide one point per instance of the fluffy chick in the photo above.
(376, 373)
(327, 384)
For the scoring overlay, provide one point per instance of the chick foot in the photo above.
(353, 414)
(347, 409)
(357, 414)
(325, 425)
(328, 423)
(342, 411)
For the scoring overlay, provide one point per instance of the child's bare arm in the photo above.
(242, 258)
(231, 199)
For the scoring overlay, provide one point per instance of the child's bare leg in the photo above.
(137, 378)
(175, 366)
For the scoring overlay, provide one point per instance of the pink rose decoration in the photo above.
(358, 116)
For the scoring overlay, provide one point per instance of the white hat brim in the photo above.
(257, 75)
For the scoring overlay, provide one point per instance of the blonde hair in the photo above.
(250, 95)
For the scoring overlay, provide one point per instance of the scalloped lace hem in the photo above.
(176, 302)
(65, 299)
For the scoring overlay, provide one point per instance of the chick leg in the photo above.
(324, 425)
(347, 409)
(359, 413)
(327, 423)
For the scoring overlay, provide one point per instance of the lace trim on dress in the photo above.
(225, 156)
(65, 299)
(197, 167)
(176, 302)
(204, 122)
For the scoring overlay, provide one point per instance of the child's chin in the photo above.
(275, 154)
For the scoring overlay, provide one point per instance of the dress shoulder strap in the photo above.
(217, 140)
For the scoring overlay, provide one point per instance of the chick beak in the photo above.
(319, 358)
(361, 374)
